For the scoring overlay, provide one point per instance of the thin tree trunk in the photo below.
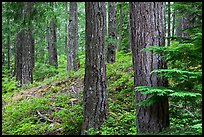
(173, 24)
(72, 38)
(169, 24)
(147, 21)
(111, 32)
(66, 26)
(8, 43)
(95, 94)
(120, 27)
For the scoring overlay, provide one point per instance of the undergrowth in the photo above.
(64, 107)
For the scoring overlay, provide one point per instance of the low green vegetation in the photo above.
(54, 106)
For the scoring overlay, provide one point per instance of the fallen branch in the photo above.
(44, 117)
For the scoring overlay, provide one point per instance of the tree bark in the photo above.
(18, 57)
(173, 24)
(120, 27)
(147, 21)
(24, 56)
(111, 32)
(27, 56)
(169, 24)
(66, 26)
(52, 47)
(95, 94)
(72, 48)
(8, 43)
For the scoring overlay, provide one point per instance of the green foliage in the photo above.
(20, 116)
(9, 83)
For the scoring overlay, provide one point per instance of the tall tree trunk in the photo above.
(120, 27)
(173, 24)
(27, 56)
(18, 57)
(24, 56)
(72, 58)
(147, 21)
(111, 32)
(8, 43)
(95, 94)
(169, 24)
(182, 23)
(52, 41)
(66, 26)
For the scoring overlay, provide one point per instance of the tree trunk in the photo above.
(27, 56)
(169, 24)
(120, 27)
(52, 47)
(111, 32)
(95, 94)
(66, 26)
(182, 23)
(24, 56)
(8, 43)
(72, 38)
(18, 57)
(147, 21)
(173, 24)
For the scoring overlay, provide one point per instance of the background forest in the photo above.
(52, 50)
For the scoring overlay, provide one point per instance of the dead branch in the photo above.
(44, 117)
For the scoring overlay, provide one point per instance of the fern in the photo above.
(157, 92)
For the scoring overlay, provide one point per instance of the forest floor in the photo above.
(54, 106)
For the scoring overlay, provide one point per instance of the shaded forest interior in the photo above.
(101, 68)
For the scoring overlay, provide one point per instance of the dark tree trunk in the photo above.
(52, 41)
(24, 53)
(111, 32)
(120, 27)
(173, 24)
(147, 21)
(18, 56)
(72, 59)
(27, 56)
(169, 24)
(95, 94)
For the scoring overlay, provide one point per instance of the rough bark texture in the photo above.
(147, 21)
(52, 47)
(27, 56)
(24, 52)
(111, 32)
(18, 57)
(72, 38)
(95, 94)
(120, 27)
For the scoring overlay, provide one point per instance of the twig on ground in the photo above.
(44, 117)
